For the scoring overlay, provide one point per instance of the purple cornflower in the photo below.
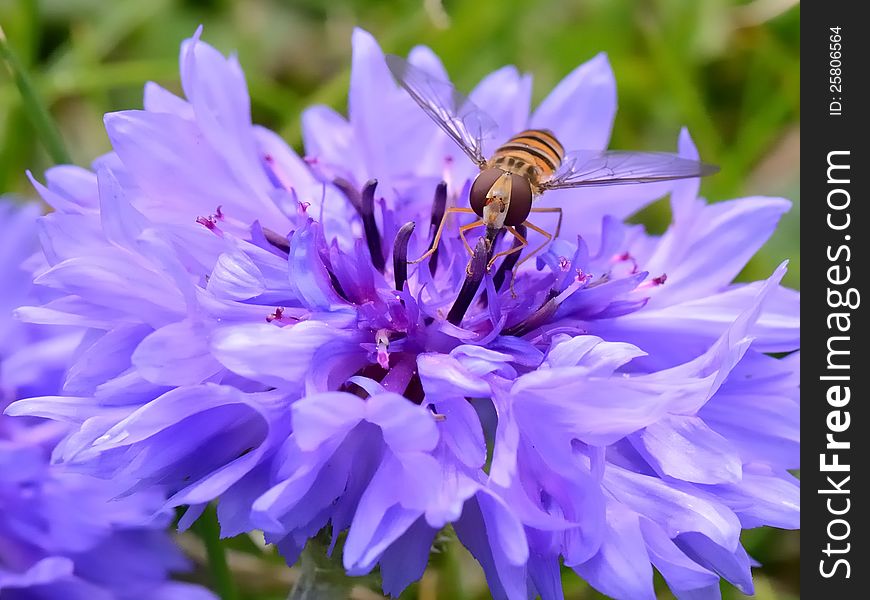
(258, 335)
(64, 535)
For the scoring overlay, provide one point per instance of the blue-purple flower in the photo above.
(64, 535)
(257, 335)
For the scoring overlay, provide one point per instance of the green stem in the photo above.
(33, 105)
(208, 528)
(450, 581)
(320, 578)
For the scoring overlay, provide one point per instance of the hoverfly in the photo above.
(526, 166)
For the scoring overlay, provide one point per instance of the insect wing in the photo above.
(616, 167)
(464, 122)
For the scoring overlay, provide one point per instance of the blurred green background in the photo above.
(727, 70)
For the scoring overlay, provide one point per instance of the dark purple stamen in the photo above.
(373, 236)
(548, 308)
(474, 273)
(507, 265)
(535, 320)
(277, 240)
(400, 254)
(364, 203)
(439, 205)
(349, 191)
(336, 285)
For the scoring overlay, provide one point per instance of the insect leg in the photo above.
(544, 233)
(437, 239)
(552, 210)
(465, 228)
(512, 249)
(549, 239)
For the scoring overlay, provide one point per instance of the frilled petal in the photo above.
(764, 499)
(392, 502)
(685, 448)
(122, 224)
(260, 351)
(723, 238)
(307, 273)
(176, 354)
(236, 277)
(382, 116)
(597, 411)
(168, 160)
(733, 565)
(303, 495)
(506, 96)
(621, 569)
(216, 89)
(178, 433)
(682, 573)
(461, 431)
(445, 376)
(158, 99)
(675, 509)
(329, 144)
(69, 189)
(406, 427)
(103, 356)
(110, 281)
(46, 571)
(497, 541)
(546, 575)
(59, 408)
(597, 357)
(699, 322)
(323, 416)
(772, 434)
(404, 560)
(581, 109)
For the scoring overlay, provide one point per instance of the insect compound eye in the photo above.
(521, 201)
(480, 188)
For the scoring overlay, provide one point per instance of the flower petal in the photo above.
(176, 354)
(621, 569)
(723, 238)
(404, 560)
(685, 448)
(406, 426)
(581, 108)
(675, 509)
(681, 573)
(320, 417)
(260, 351)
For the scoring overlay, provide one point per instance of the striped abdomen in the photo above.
(534, 153)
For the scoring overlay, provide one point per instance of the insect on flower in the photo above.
(524, 167)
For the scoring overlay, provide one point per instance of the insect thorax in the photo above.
(517, 166)
(534, 154)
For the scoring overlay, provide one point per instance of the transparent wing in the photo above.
(615, 167)
(464, 122)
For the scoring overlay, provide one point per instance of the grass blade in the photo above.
(36, 110)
